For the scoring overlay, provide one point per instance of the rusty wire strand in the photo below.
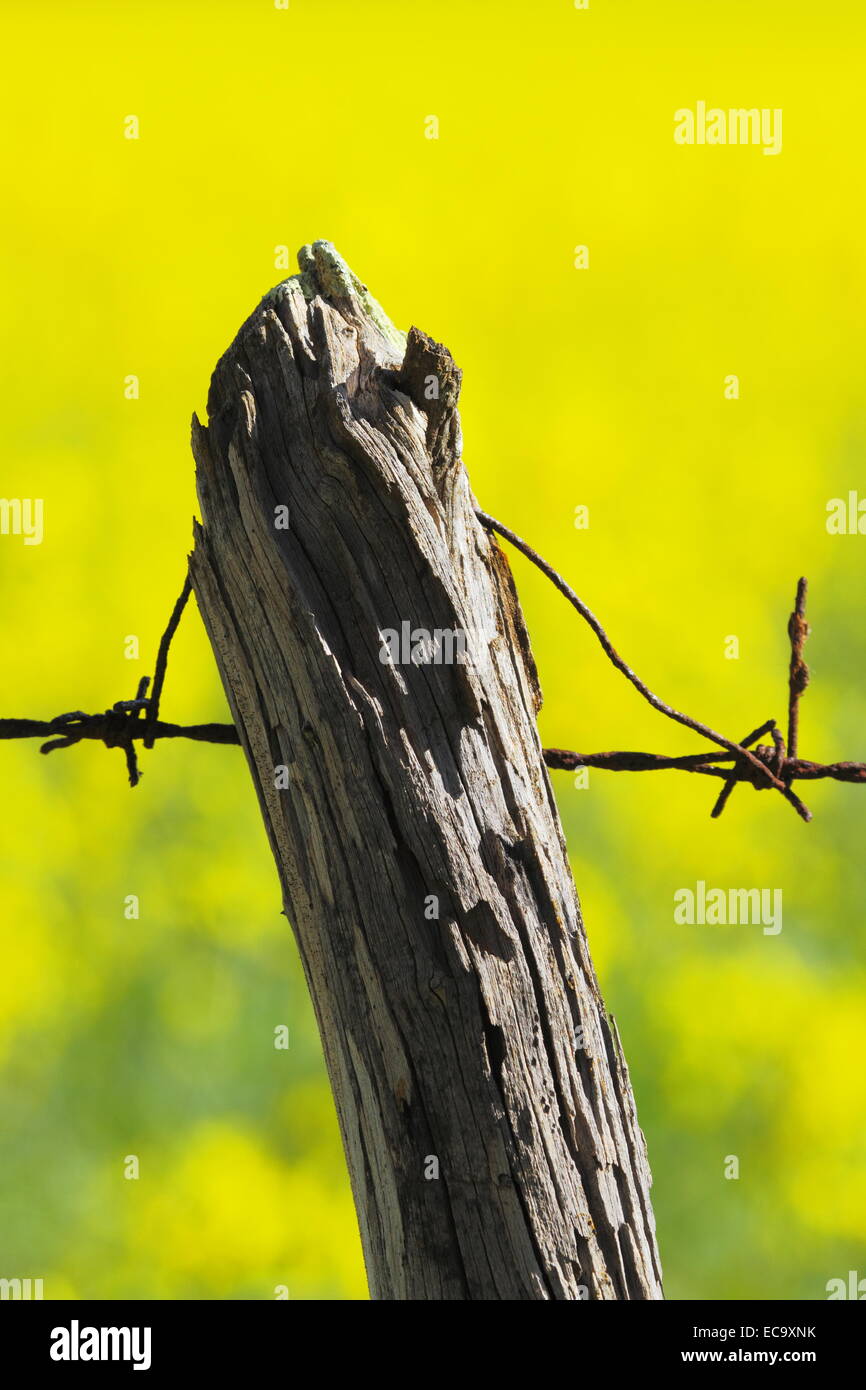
(161, 667)
(798, 672)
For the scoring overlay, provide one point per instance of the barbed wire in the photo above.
(763, 766)
(127, 720)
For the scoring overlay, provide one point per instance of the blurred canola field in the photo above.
(601, 388)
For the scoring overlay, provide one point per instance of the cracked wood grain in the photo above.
(474, 1043)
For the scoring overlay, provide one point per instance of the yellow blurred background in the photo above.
(601, 387)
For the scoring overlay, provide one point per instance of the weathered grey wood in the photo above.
(477, 1040)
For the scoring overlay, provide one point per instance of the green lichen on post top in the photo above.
(323, 271)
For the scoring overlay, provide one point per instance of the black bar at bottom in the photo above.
(155, 1339)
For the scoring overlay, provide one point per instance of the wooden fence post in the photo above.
(484, 1102)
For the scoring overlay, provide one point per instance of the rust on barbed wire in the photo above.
(798, 672)
(763, 766)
